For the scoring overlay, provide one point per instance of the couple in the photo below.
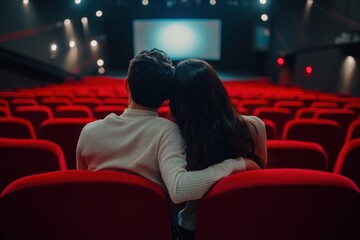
(208, 141)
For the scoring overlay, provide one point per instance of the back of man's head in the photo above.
(150, 76)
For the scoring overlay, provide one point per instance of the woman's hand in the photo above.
(250, 164)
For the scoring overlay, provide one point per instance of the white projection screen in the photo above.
(179, 38)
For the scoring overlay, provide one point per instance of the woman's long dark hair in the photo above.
(212, 128)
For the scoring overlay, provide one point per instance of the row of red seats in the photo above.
(23, 157)
(267, 204)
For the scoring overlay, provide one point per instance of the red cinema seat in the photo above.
(348, 162)
(15, 127)
(73, 111)
(17, 102)
(355, 106)
(280, 116)
(324, 104)
(293, 106)
(353, 131)
(65, 132)
(84, 205)
(280, 204)
(23, 157)
(91, 102)
(5, 112)
(296, 154)
(325, 132)
(270, 128)
(251, 104)
(54, 102)
(35, 114)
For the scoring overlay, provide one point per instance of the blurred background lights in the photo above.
(67, 21)
(25, 2)
(53, 47)
(72, 44)
(84, 20)
(100, 62)
(308, 69)
(93, 43)
(263, 2)
(280, 61)
(101, 70)
(99, 13)
(264, 17)
(145, 2)
(77, 1)
(212, 2)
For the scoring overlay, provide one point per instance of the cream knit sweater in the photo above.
(139, 141)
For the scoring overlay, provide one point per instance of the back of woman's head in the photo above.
(211, 127)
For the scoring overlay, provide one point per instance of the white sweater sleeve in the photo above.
(186, 185)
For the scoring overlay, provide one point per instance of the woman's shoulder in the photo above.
(254, 120)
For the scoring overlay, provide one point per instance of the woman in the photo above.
(211, 127)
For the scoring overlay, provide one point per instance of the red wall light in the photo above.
(280, 61)
(308, 69)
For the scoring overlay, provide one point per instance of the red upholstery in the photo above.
(293, 106)
(305, 112)
(4, 103)
(15, 127)
(101, 112)
(325, 132)
(323, 104)
(116, 101)
(65, 132)
(342, 116)
(54, 102)
(353, 131)
(348, 162)
(23, 157)
(270, 128)
(280, 204)
(73, 111)
(17, 102)
(91, 102)
(251, 104)
(355, 106)
(296, 154)
(35, 114)
(4, 112)
(280, 116)
(84, 205)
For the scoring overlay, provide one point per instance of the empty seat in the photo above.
(35, 114)
(23, 157)
(17, 102)
(116, 101)
(353, 131)
(4, 103)
(280, 116)
(355, 106)
(5, 112)
(15, 127)
(293, 106)
(342, 116)
(73, 111)
(325, 132)
(251, 104)
(270, 128)
(84, 205)
(280, 204)
(296, 154)
(92, 103)
(54, 102)
(305, 112)
(101, 112)
(323, 104)
(65, 132)
(348, 162)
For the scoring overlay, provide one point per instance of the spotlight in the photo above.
(67, 21)
(84, 20)
(263, 2)
(72, 44)
(77, 1)
(100, 62)
(145, 2)
(213, 2)
(264, 17)
(53, 47)
(93, 43)
(99, 13)
(25, 2)
(308, 70)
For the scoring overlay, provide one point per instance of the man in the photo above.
(139, 141)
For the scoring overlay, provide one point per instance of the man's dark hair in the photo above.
(150, 76)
